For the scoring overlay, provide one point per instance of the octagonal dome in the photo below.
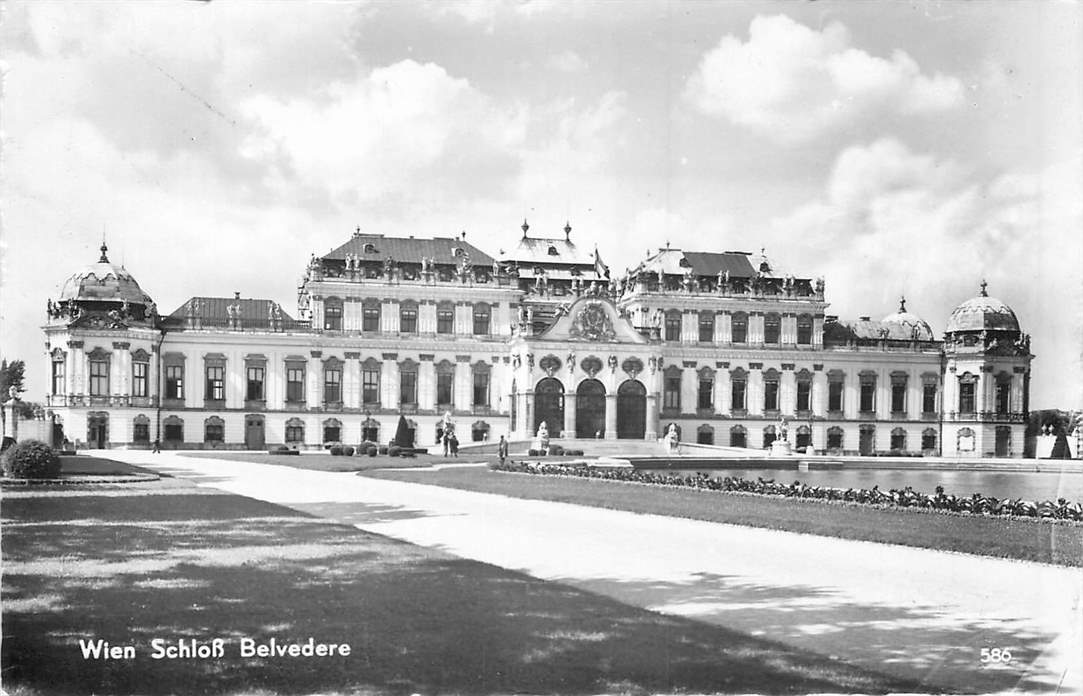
(904, 325)
(103, 282)
(982, 313)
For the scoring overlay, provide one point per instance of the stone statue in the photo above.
(782, 431)
(613, 363)
(389, 267)
(661, 279)
(689, 280)
(820, 285)
(542, 440)
(672, 438)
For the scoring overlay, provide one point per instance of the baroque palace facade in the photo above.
(719, 344)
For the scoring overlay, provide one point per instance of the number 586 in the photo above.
(995, 655)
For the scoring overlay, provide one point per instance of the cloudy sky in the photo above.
(893, 148)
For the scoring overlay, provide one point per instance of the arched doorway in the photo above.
(549, 406)
(590, 409)
(97, 429)
(631, 410)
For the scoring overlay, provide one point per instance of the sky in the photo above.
(893, 148)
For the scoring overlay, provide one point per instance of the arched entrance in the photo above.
(631, 410)
(97, 429)
(549, 406)
(590, 409)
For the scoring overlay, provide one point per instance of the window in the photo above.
(738, 436)
(370, 317)
(804, 330)
(370, 430)
(140, 370)
(99, 378)
(445, 319)
(772, 328)
(174, 432)
(295, 384)
(706, 328)
(58, 377)
(834, 438)
(705, 435)
(739, 328)
(834, 395)
(443, 388)
(671, 397)
(408, 318)
(408, 387)
(898, 394)
(332, 430)
(966, 394)
(216, 383)
(214, 430)
(769, 436)
(332, 314)
(141, 430)
(928, 397)
(332, 385)
(174, 381)
(928, 439)
(705, 397)
(479, 431)
(804, 395)
(898, 439)
(481, 320)
(481, 388)
(673, 326)
(867, 400)
(770, 392)
(1003, 397)
(738, 387)
(254, 389)
(370, 385)
(295, 431)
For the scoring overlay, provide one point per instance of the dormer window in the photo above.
(553, 251)
(457, 252)
(370, 248)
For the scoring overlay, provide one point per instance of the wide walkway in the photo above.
(911, 612)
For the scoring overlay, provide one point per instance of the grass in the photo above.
(97, 466)
(169, 560)
(1030, 540)
(319, 461)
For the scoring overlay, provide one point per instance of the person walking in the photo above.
(454, 445)
(157, 446)
(502, 449)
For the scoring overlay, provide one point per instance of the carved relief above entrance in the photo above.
(592, 365)
(592, 323)
(633, 366)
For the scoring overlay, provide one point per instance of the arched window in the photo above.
(214, 430)
(370, 430)
(705, 390)
(898, 440)
(739, 327)
(332, 314)
(141, 429)
(295, 431)
(173, 429)
(804, 329)
(928, 440)
(835, 438)
(99, 372)
(772, 328)
(769, 436)
(332, 431)
(738, 436)
(479, 431)
(705, 435)
(408, 383)
(804, 438)
(929, 382)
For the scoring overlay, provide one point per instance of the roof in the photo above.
(103, 281)
(544, 250)
(983, 313)
(441, 250)
(702, 263)
(213, 311)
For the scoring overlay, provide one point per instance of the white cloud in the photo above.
(793, 83)
(567, 61)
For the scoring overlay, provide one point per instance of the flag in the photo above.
(599, 266)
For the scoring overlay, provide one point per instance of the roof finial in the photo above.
(357, 231)
(104, 249)
(525, 227)
(983, 285)
(567, 231)
(902, 303)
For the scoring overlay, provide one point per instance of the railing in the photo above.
(985, 417)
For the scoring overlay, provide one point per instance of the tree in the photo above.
(11, 375)
(404, 436)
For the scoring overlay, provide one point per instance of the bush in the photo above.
(394, 451)
(336, 450)
(533, 453)
(31, 459)
(556, 450)
(383, 449)
(347, 451)
(372, 450)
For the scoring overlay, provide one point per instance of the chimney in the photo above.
(236, 295)
(865, 318)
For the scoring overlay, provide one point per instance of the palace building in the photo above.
(721, 344)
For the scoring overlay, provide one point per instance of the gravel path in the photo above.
(911, 612)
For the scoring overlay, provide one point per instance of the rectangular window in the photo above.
(867, 403)
(671, 397)
(481, 389)
(370, 318)
(332, 433)
(834, 396)
(58, 377)
(928, 398)
(141, 432)
(966, 397)
(99, 378)
(214, 433)
(772, 328)
(739, 328)
(408, 388)
(174, 432)
(737, 394)
(332, 386)
(898, 440)
(216, 383)
(898, 398)
(295, 385)
(673, 327)
(481, 321)
(174, 382)
(705, 397)
(295, 433)
(254, 388)
(370, 386)
(408, 320)
(928, 440)
(445, 320)
(804, 331)
(332, 317)
(804, 396)
(443, 388)
(140, 370)
(706, 328)
(770, 395)
(1003, 397)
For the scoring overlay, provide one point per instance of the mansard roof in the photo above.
(702, 263)
(544, 251)
(377, 247)
(213, 311)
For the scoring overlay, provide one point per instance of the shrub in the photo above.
(556, 450)
(533, 453)
(394, 451)
(347, 451)
(31, 459)
(336, 450)
(382, 449)
(372, 450)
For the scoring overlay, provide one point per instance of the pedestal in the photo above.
(781, 448)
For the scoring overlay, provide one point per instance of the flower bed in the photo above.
(906, 497)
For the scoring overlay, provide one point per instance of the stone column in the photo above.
(527, 413)
(351, 381)
(610, 416)
(818, 398)
(754, 393)
(689, 390)
(723, 394)
(787, 393)
(314, 370)
(426, 383)
(389, 383)
(652, 417)
(569, 415)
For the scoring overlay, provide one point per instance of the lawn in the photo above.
(321, 461)
(1032, 540)
(172, 561)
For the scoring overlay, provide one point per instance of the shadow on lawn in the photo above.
(131, 568)
(910, 642)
